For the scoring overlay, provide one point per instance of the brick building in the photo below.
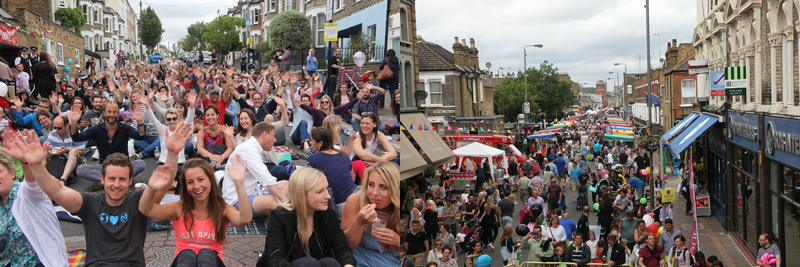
(639, 107)
(60, 42)
(454, 81)
(601, 89)
(680, 87)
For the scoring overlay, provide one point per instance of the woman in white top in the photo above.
(555, 231)
(679, 256)
(436, 252)
(172, 117)
(366, 143)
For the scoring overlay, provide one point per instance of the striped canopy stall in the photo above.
(620, 124)
(618, 137)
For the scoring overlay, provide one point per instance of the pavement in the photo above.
(713, 239)
(160, 245)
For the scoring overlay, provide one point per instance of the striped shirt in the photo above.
(57, 141)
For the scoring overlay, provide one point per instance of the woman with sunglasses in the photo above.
(174, 119)
(436, 252)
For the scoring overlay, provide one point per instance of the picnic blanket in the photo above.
(258, 226)
(76, 258)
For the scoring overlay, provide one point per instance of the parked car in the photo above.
(206, 57)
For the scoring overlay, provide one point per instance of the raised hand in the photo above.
(227, 130)
(137, 113)
(176, 141)
(34, 151)
(192, 98)
(236, 167)
(17, 103)
(75, 113)
(279, 101)
(161, 177)
(53, 99)
(12, 146)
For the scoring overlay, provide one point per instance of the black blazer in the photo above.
(283, 241)
(617, 254)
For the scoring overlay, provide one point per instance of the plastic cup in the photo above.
(94, 150)
(382, 219)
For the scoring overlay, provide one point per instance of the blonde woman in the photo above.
(375, 242)
(311, 62)
(303, 232)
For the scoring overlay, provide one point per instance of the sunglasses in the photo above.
(325, 102)
(171, 119)
(367, 113)
(439, 244)
(58, 128)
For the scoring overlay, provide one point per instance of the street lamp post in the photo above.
(616, 82)
(624, 85)
(615, 85)
(650, 99)
(525, 63)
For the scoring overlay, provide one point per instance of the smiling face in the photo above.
(317, 197)
(211, 116)
(111, 114)
(179, 107)
(367, 124)
(116, 182)
(244, 121)
(44, 120)
(197, 183)
(377, 190)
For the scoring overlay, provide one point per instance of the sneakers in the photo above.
(96, 155)
(491, 246)
(96, 186)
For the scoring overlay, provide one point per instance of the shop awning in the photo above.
(541, 136)
(681, 125)
(698, 127)
(618, 137)
(353, 30)
(411, 162)
(431, 143)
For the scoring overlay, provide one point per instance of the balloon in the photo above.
(648, 220)
(643, 201)
(605, 176)
(660, 229)
(522, 230)
(69, 61)
(597, 206)
(569, 243)
(603, 172)
(483, 261)
(647, 175)
(359, 58)
(653, 228)
(615, 163)
(67, 76)
(648, 169)
(536, 210)
(102, 68)
(665, 176)
(644, 172)
(66, 69)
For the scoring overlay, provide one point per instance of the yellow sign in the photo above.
(331, 32)
(249, 41)
(668, 195)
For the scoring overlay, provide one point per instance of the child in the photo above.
(560, 256)
(627, 251)
(600, 244)
(592, 244)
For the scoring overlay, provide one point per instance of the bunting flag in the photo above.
(424, 128)
(476, 124)
(490, 130)
(471, 129)
(482, 129)
(434, 127)
(402, 128)
(412, 127)
(420, 127)
(449, 128)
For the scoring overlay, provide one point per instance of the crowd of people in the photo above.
(579, 158)
(213, 131)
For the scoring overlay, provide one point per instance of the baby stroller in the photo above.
(467, 241)
(583, 197)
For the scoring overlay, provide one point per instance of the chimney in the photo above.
(675, 42)
(471, 43)
(464, 42)
(669, 45)
(456, 39)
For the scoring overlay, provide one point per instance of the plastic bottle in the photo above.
(157, 153)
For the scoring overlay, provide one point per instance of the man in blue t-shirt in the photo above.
(638, 185)
(576, 171)
(561, 168)
(568, 224)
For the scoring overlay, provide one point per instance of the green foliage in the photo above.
(151, 28)
(222, 33)
(649, 142)
(197, 30)
(71, 18)
(429, 173)
(420, 39)
(188, 43)
(290, 28)
(358, 43)
(266, 51)
(546, 93)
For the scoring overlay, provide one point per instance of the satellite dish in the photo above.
(449, 118)
(488, 65)
(420, 95)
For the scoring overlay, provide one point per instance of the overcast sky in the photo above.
(581, 37)
(177, 15)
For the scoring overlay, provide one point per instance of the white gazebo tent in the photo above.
(479, 150)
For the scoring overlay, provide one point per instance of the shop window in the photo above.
(791, 232)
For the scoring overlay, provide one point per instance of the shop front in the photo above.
(716, 171)
(743, 172)
(782, 151)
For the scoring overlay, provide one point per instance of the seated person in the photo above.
(45, 120)
(368, 103)
(244, 131)
(213, 144)
(64, 154)
(107, 144)
(366, 143)
(372, 244)
(172, 117)
(29, 119)
(308, 218)
(199, 232)
(334, 164)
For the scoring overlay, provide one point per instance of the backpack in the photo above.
(523, 216)
(290, 168)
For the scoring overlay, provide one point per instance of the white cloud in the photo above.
(582, 37)
(177, 15)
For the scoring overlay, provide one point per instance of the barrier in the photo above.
(557, 264)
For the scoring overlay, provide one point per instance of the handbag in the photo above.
(561, 245)
(593, 188)
(386, 73)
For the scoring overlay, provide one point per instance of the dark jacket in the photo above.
(283, 241)
(583, 226)
(44, 77)
(394, 65)
(106, 146)
(586, 255)
(617, 254)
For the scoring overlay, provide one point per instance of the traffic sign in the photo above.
(668, 195)
(526, 107)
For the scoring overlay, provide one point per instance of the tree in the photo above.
(420, 39)
(71, 18)
(151, 28)
(197, 30)
(546, 93)
(266, 51)
(222, 33)
(188, 43)
(291, 28)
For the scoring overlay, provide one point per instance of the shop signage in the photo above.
(780, 143)
(717, 83)
(8, 35)
(735, 80)
(444, 111)
(743, 130)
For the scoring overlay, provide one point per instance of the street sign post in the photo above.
(526, 107)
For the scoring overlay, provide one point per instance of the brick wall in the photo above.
(69, 40)
(41, 7)
(766, 82)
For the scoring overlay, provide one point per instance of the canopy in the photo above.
(622, 132)
(478, 150)
(681, 125)
(557, 126)
(615, 120)
(620, 124)
(541, 136)
(619, 137)
(626, 128)
(352, 30)
(698, 127)
(550, 130)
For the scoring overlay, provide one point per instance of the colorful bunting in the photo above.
(424, 128)
(402, 128)
(420, 127)
(449, 128)
(482, 129)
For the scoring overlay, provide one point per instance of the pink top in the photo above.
(202, 236)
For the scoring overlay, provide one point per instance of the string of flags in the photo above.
(37, 32)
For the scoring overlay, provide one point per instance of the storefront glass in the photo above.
(748, 215)
(785, 197)
(716, 185)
